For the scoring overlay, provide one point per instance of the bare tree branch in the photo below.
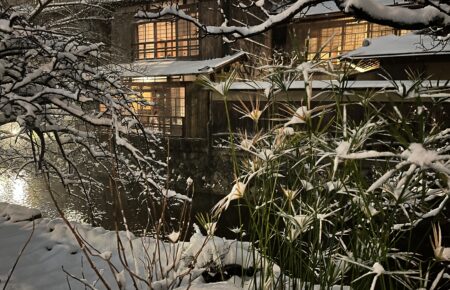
(416, 15)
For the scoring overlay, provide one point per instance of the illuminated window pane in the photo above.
(165, 110)
(355, 33)
(183, 31)
(312, 45)
(331, 39)
(150, 50)
(334, 37)
(403, 32)
(148, 97)
(149, 31)
(380, 30)
(166, 39)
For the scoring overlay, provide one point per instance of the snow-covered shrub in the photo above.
(345, 192)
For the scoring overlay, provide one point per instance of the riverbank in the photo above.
(53, 259)
(45, 253)
(30, 191)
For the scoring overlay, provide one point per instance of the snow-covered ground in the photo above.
(53, 254)
(45, 254)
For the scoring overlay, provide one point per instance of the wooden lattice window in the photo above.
(354, 35)
(341, 35)
(166, 39)
(165, 109)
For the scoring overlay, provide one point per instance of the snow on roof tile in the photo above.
(156, 68)
(397, 46)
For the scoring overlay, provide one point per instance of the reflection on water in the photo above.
(19, 190)
(74, 215)
(30, 191)
(13, 190)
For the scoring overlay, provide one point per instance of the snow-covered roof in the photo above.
(326, 84)
(330, 7)
(395, 46)
(156, 68)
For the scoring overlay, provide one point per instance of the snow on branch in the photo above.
(397, 16)
(233, 30)
(67, 16)
(73, 115)
(413, 15)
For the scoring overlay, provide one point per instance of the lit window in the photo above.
(163, 108)
(331, 42)
(166, 39)
(377, 30)
(334, 37)
(157, 106)
(149, 80)
(354, 35)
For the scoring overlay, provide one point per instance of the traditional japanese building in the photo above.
(162, 60)
(163, 57)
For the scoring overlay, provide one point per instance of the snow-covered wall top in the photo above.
(395, 46)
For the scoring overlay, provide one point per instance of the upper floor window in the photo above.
(335, 37)
(166, 39)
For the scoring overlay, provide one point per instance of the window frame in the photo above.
(342, 40)
(167, 114)
(174, 45)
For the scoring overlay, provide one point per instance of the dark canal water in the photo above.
(210, 184)
(31, 191)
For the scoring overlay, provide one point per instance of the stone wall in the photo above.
(211, 169)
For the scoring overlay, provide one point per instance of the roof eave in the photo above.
(392, 55)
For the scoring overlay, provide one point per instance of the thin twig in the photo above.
(18, 257)
(82, 281)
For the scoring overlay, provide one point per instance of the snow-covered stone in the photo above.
(17, 213)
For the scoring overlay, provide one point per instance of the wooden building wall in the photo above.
(197, 111)
(123, 31)
(210, 46)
